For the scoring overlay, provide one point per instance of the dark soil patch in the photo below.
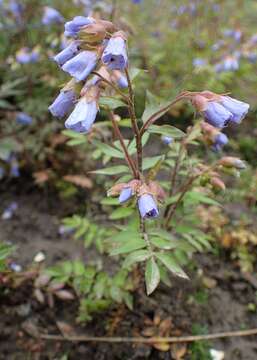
(34, 227)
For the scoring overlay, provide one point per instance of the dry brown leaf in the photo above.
(178, 351)
(165, 327)
(41, 176)
(65, 328)
(209, 282)
(150, 331)
(64, 295)
(162, 346)
(79, 180)
(58, 139)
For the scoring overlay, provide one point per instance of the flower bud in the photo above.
(232, 162)
(218, 184)
(116, 189)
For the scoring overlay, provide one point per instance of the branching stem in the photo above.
(123, 145)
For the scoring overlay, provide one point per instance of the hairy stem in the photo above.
(112, 85)
(123, 145)
(132, 114)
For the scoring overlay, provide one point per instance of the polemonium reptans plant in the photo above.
(97, 60)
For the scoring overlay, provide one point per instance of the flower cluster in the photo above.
(218, 111)
(96, 46)
(147, 196)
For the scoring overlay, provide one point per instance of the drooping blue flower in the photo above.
(81, 65)
(9, 211)
(253, 40)
(73, 27)
(63, 103)
(68, 53)
(15, 171)
(83, 116)
(219, 141)
(51, 16)
(237, 108)
(120, 79)
(236, 34)
(125, 195)
(228, 64)
(115, 54)
(16, 8)
(252, 57)
(198, 62)
(147, 206)
(27, 56)
(216, 115)
(23, 118)
(167, 140)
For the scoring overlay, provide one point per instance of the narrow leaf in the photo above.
(114, 170)
(169, 261)
(152, 276)
(137, 256)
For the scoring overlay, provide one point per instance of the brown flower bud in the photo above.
(232, 162)
(217, 183)
(157, 191)
(116, 189)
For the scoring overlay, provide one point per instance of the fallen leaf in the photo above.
(79, 180)
(65, 328)
(178, 351)
(209, 282)
(39, 296)
(41, 176)
(64, 295)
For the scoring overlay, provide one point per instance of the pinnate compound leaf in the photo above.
(152, 276)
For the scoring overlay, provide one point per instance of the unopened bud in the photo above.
(218, 184)
(229, 161)
(116, 189)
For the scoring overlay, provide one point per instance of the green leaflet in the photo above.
(121, 213)
(170, 262)
(113, 170)
(152, 276)
(166, 130)
(133, 244)
(136, 256)
(153, 105)
(108, 150)
(110, 102)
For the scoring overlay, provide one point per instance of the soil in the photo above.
(34, 227)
